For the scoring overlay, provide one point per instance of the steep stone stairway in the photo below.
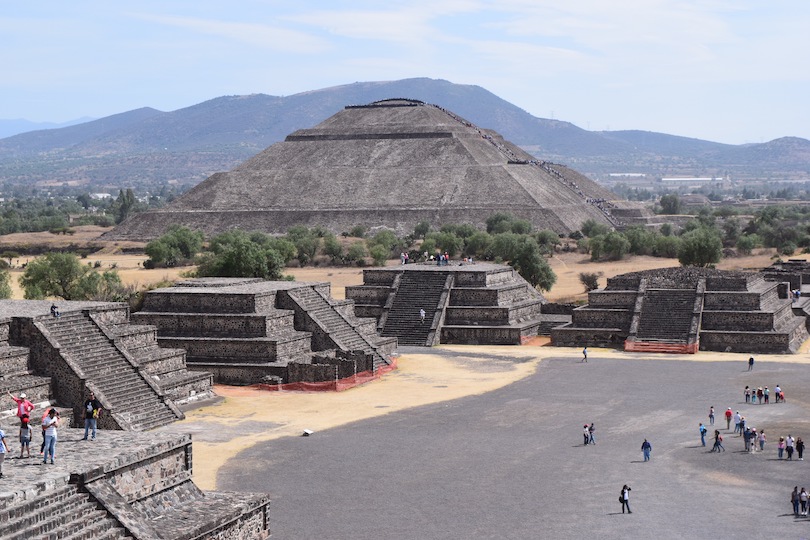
(666, 315)
(133, 399)
(336, 325)
(63, 512)
(415, 292)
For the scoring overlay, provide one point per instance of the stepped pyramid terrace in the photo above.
(392, 163)
(124, 483)
(464, 304)
(247, 330)
(686, 309)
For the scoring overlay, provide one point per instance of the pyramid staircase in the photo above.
(132, 400)
(422, 290)
(64, 512)
(339, 326)
(666, 315)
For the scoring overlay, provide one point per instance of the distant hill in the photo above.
(19, 125)
(147, 147)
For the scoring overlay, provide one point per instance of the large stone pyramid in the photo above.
(391, 163)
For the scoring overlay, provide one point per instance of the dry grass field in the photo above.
(567, 265)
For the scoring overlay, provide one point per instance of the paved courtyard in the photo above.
(510, 463)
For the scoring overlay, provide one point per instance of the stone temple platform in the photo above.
(482, 303)
(686, 309)
(122, 485)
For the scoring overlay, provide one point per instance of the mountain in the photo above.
(13, 127)
(147, 147)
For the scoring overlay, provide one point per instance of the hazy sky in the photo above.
(730, 71)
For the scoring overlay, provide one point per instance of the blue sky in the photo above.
(728, 71)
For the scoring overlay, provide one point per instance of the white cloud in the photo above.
(266, 36)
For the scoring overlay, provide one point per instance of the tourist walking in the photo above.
(586, 434)
(780, 447)
(646, 448)
(803, 501)
(23, 405)
(422, 315)
(711, 415)
(776, 393)
(737, 420)
(789, 447)
(591, 429)
(624, 498)
(728, 418)
(3, 450)
(585, 354)
(747, 439)
(92, 410)
(800, 448)
(747, 392)
(702, 429)
(26, 434)
(762, 441)
(794, 500)
(752, 440)
(751, 363)
(766, 394)
(50, 423)
(718, 442)
(760, 395)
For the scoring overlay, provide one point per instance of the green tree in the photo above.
(746, 243)
(642, 240)
(701, 247)
(421, 229)
(590, 280)
(124, 205)
(667, 246)
(234, 254)
(499, 223)
(547, 240)
(379, 254)
(446, 241)
(63, 275)
(591, 228)
(478, 245)
(670, 204)
(532, 266)
(616, 246)
(178, 246)
(5, 285)
(357, 253)
(332, 248)
(505, 246)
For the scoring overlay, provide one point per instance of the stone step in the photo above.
(58, 523)
(12, 514)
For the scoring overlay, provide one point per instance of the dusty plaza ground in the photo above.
(485, 442)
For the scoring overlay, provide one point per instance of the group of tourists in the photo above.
(762, 395)
(49, 424)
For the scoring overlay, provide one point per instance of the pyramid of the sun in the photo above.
(391, 163)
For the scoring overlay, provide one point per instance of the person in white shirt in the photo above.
(49, 424)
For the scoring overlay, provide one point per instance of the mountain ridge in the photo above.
(147, 147)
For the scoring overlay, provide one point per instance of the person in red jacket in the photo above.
(728, 418)
(23, 405)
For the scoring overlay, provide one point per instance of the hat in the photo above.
(22, 395)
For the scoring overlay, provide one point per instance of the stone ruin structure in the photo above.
(468, 303)
(248, 330)
(393, 164)
(125, 484)
(686, 309)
